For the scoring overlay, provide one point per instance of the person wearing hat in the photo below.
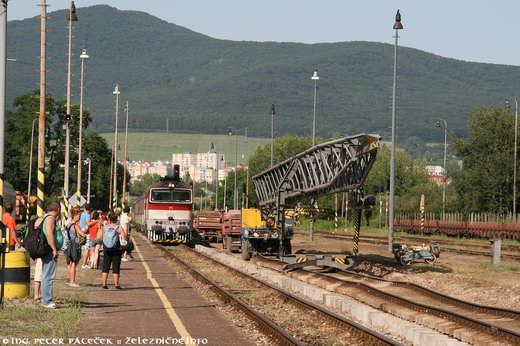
(10, 223)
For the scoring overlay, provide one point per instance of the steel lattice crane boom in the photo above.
(335, 166)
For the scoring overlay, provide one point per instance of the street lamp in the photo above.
(114, 183)
(83, 56)
(273, 112)
(444, 166)
(315, 78)
(514, 159)
(233, 132)
(68, 117)
(126, 157)
(397, 26)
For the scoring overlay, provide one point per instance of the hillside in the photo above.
(161, 146)
(205, 85)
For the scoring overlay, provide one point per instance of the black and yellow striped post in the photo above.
(336, 212)
(40, 192)
(357, 225)
(422, 213)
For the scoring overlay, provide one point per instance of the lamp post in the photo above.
(83, 56)
(273, 112)
(30, 163)
(114, 183)
(397, 26)
(444, 165)
(68, 116)
(514, 158)
(126, 156)
(315, 78)
(233, 132)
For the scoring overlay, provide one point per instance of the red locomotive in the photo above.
(164, 212)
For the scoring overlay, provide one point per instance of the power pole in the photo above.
(68, 116)
(110, 180)
(41, 116)
(114, 184)
(3, 59)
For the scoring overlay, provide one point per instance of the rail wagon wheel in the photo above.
(432, 260)
(404, 261)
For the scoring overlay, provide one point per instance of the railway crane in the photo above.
(336, 166)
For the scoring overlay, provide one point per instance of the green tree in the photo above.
(284, 148)
(96, 148)
(139, 187)
(411, 181)
(485, 182)
(18, 128)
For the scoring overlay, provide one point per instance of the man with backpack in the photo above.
(54, 239)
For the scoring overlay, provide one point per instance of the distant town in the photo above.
(200, 167)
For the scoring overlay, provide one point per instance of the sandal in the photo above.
(105, 287)
(118, 287)
(37, 299)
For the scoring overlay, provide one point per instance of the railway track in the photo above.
(513, 252)
(473, 323)
(339, 328)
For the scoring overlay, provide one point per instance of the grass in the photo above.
(505, 267)
(161, 146)
(24, 318)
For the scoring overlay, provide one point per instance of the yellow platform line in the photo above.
(179, 326)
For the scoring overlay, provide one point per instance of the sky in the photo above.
(471, 30)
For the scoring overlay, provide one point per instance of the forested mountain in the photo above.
(205, 85)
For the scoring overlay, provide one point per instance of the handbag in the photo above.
(129, 247)
(73, 248)
(81, 239)
(122, 241)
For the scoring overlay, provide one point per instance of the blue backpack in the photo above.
(111, 238)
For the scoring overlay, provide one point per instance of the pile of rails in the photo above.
(471, 229)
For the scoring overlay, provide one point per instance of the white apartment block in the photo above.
(208, 166)
(139, 168)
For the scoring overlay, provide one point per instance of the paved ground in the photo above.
(154, 303)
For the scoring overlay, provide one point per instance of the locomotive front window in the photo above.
(171, 196)
(160, 195)
(181, 196)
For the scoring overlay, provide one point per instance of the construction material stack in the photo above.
(232, 221)
(209, 225)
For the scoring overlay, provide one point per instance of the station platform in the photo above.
(154, 304)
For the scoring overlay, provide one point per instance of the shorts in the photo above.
(38, 270)
(92, 243)
(87, 245)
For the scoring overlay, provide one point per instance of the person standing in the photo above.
(73, 252)
(55, 240)
(95, 244)
(124, 221)
(84, 223)
(10, 223)
(112, 249)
